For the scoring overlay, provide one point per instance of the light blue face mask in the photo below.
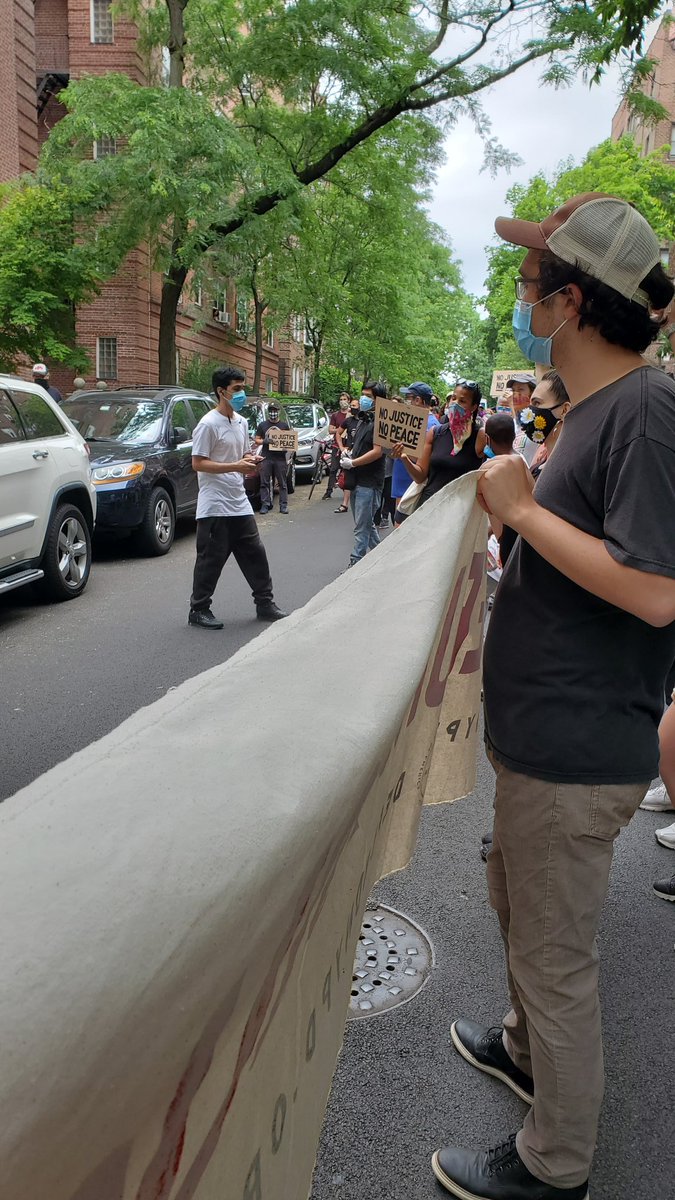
(238, 400)
(365, 403)
(536, 349)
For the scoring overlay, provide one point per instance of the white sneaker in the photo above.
(657, 799)
(666, 836)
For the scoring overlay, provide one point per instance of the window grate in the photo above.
(106, 358)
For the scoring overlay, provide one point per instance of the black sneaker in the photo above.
(495, 1174)
(205, 618)
(327, 496)
(269, 612)
(665, 888)
(484, 1048)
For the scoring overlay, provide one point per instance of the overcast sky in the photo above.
(542, 126)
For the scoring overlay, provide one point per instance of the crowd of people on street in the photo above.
(579, 645)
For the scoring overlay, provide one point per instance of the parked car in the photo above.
(47, 502)
(141, 458)
(255, 410)
(311, 421)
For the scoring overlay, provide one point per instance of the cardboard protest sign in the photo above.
(395, 422)
(177, 960)
(282, 439)
(498, 385)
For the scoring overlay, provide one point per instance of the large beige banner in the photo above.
(181, 900)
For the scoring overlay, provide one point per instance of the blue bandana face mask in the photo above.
(536, 349)
(238, 401)
(365, 403)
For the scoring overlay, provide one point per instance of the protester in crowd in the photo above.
(452, 448)
(336, 422)
(225, 521)
(504, 402)
(366, 462)
(387, 506)
(499, 435)
(41, 376)
(581, 637)
(522, 385)
(542, 421)
(274, 465)
(344, 436)
(419, 395)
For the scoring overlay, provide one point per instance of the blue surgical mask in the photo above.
(536, 349)
(238, 400)
(365, 403)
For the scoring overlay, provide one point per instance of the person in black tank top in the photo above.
(452, 448)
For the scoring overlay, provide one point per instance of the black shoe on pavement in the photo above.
(269, 612)
(284, 512)
(205, 618)
(327, 496)
(264, 509)
(495, 1174)
(665, 888)
(485, 849)
(487, 837)
(484, 1048)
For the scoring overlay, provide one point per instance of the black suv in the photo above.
(141, 457)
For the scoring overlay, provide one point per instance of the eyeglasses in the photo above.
(521, 285)
(468, 383)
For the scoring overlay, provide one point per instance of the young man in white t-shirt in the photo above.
(225, 521)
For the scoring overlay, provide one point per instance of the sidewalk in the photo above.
(400, 1091)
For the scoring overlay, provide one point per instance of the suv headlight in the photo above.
(306, 439)
(117, 472)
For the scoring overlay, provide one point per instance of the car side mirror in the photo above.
(180, 434)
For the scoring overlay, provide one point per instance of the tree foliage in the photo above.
(268, 97)
(613, 167)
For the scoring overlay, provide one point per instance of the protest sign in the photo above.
(178, 950)
(499, 380)
(282, 439)
(395, 422)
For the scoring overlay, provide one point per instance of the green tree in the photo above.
(613, 167)
(266, 99)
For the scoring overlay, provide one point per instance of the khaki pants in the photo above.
(547, 875)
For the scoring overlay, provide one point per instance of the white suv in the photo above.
(47, 501)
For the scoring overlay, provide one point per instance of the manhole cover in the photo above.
(393, 961)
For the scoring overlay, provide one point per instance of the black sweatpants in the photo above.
(217, 539)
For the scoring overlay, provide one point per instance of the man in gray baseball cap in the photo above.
(580, 641)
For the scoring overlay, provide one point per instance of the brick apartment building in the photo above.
(661, 87)
(46, 43)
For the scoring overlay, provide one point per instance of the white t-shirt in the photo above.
(226, 440)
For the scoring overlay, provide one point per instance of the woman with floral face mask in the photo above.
(452, 448)
(542, 421)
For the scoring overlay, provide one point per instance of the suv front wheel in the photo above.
(156, 534)
(66, 561)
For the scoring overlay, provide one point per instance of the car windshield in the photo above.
(134, 422)
(253, 415)
(301, 416)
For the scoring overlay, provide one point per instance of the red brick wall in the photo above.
(661, 89)
(51, 35)
(18, 137)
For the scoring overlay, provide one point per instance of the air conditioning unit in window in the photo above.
(223, 318)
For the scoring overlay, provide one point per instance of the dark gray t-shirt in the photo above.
(574, 686)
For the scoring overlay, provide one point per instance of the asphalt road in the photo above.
(72, 672)
(400, 1090)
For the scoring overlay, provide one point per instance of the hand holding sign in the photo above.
(400, 425)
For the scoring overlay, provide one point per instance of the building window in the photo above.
(106, 358)
(105, 146)
(269, 386)
(297, 328)
(296, 379)
(269, 340)
(197, 295)
(665, 257)
(307, 379)
(242, 325)
(672, 141)
(102, 28)
(177, 366)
